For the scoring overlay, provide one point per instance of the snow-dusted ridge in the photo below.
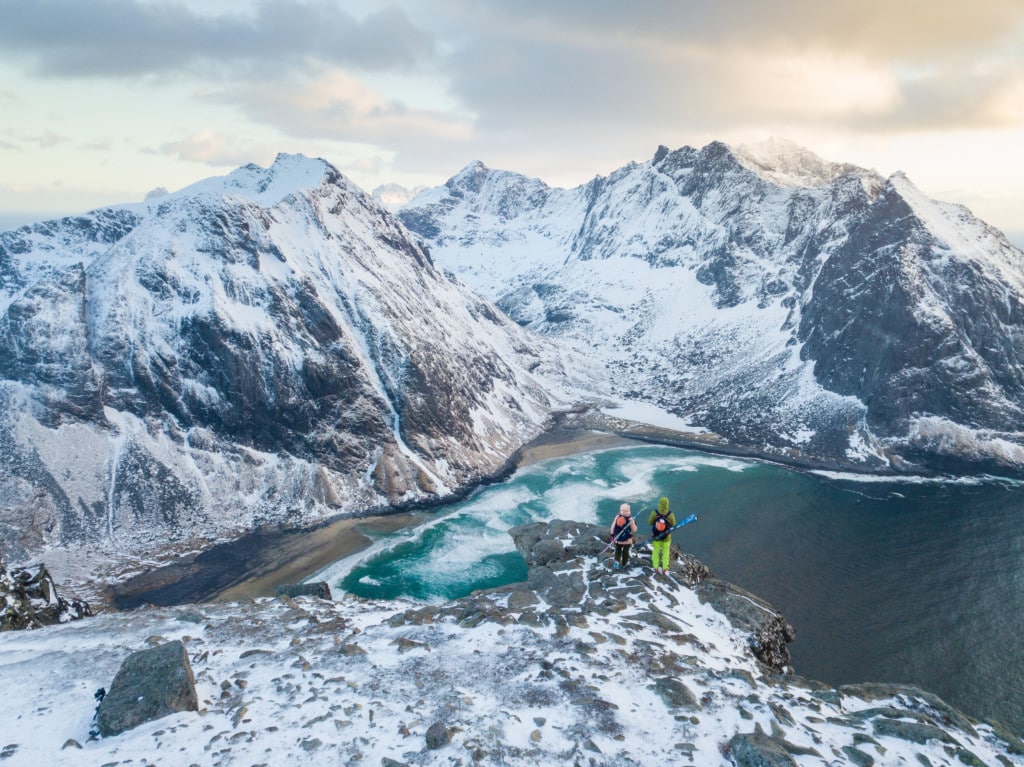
(582, 665)
(811, 310)
(267, 347)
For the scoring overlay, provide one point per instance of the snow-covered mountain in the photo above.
(268, 347)
(809, 309)
(394, 196)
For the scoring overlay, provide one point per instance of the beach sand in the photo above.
(255, 566)
(312, 551)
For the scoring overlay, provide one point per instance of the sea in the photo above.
(915, 580)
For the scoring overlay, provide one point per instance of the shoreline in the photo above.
(254, 566)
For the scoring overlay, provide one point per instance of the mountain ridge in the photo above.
(268, 347)
(757, 354)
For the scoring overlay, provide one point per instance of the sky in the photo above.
(102, 101)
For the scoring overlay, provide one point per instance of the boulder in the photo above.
(149, 685)
(438, 736)
(758, 750)
(319, 589)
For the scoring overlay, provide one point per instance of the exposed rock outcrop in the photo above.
(30, 600)
(319, 589)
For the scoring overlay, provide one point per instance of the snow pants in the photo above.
(622, 553)
(660, 553)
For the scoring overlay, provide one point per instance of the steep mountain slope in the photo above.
(804, 308)
(267, 347)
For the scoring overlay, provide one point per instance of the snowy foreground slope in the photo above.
(812, 310)
(265, 348)
(582, 665)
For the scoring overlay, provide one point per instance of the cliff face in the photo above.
(792, 305)
(265, 348)
(580, 664)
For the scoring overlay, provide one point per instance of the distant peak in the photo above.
(786, 163)
(393, 196)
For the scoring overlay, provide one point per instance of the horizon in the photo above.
(108, 100)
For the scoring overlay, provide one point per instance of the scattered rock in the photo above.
(758, 750)
(676, 694)
(320, 589)
(438, 736)
(149, 685)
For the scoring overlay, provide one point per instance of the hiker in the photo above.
(622, 531)
(661, 521)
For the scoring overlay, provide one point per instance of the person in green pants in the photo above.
(661, 520)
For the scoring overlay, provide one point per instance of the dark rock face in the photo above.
(769, 632)
(898, 323)
(149, 685)
(30, 600)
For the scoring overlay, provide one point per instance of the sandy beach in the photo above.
(257, 565)
(314, 550)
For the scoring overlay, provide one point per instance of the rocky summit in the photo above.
(579, 665)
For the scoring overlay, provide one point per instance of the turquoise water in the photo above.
(920, 582)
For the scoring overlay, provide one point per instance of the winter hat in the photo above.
(663, 506)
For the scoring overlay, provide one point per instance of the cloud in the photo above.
(908, 29)
(216, 149)
(124, 38)
(575, 67)
(339, 107)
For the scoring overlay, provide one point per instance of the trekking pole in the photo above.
(614, 540)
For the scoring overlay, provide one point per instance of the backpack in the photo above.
(659, 530)
(621, 524)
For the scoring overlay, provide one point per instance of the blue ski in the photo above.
(688, 520)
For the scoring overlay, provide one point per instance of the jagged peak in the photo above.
(288, 174)
(786, 163)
